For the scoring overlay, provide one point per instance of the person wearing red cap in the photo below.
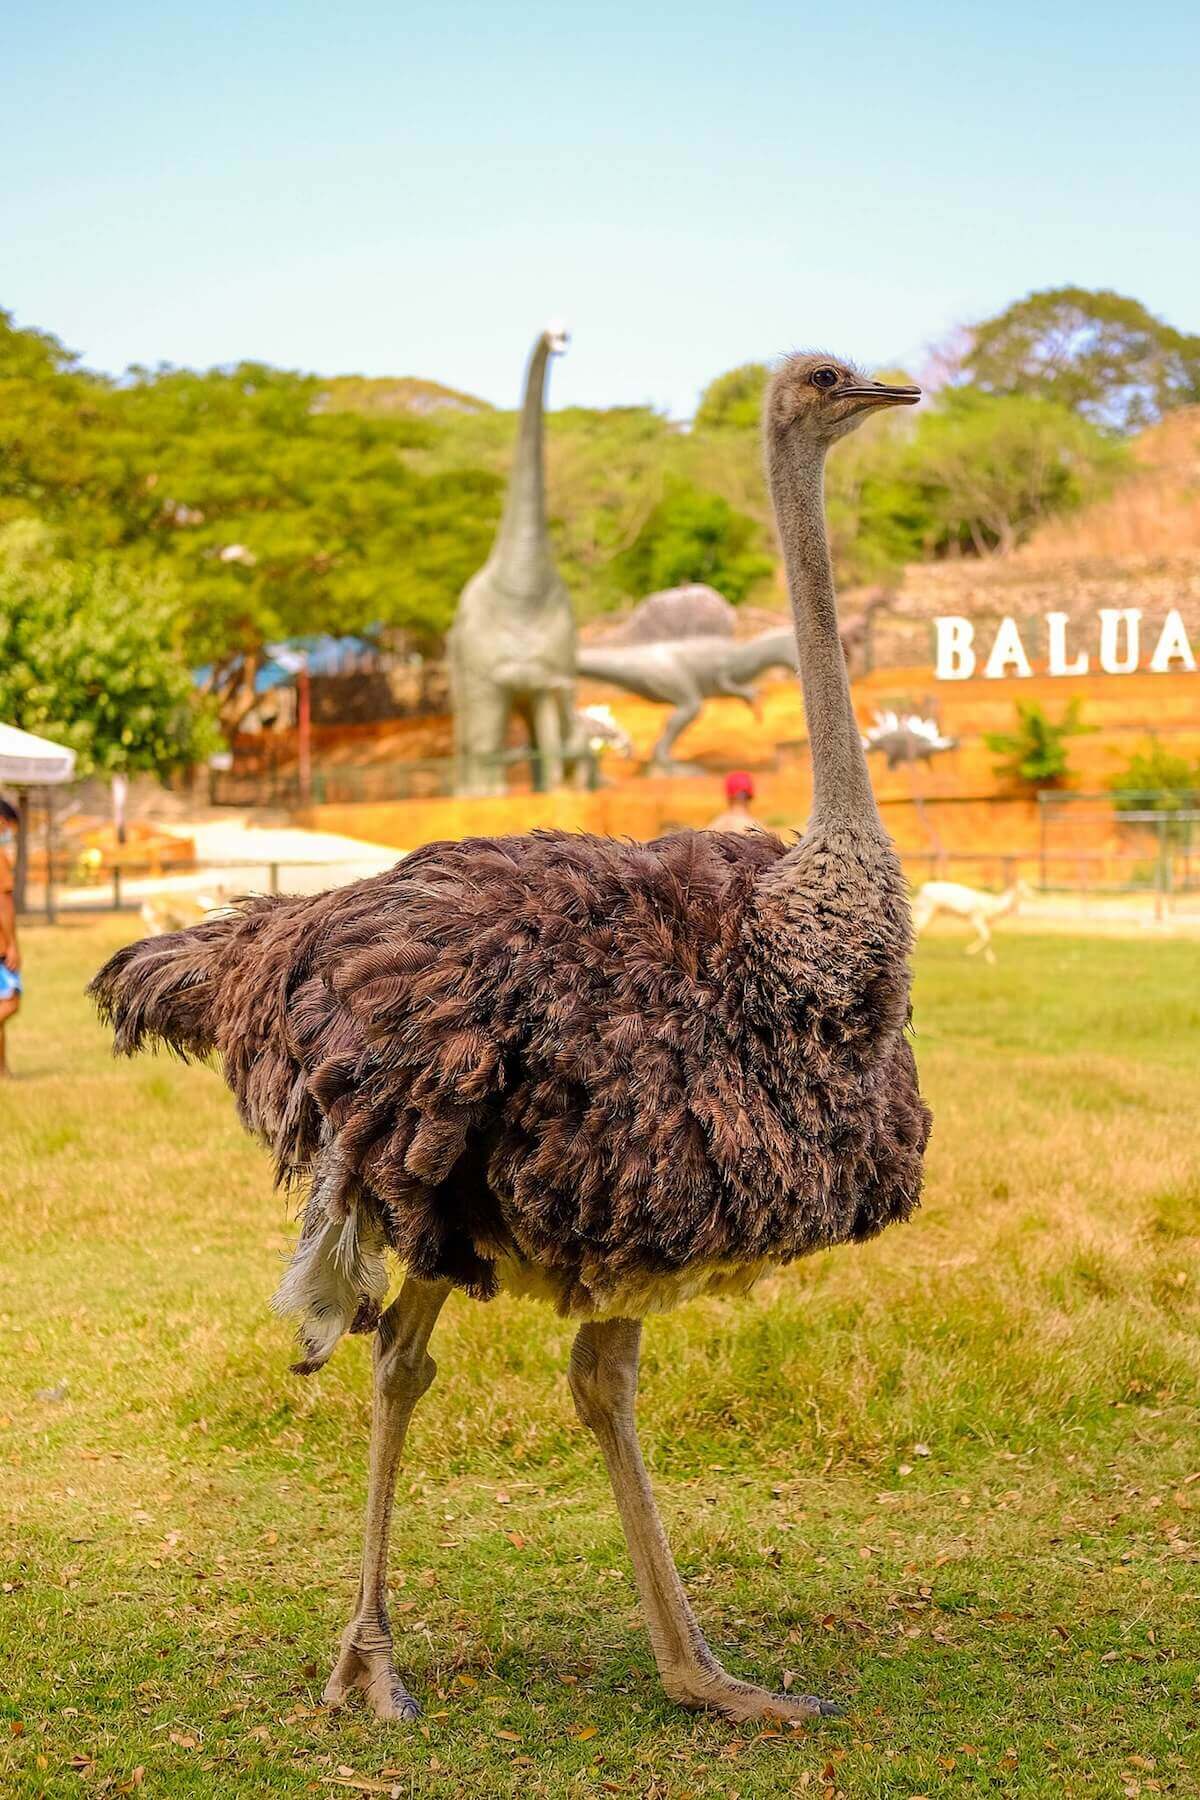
(739, 792)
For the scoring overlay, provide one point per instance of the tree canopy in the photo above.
(250, 504)
(1101, 354)
(90, 657)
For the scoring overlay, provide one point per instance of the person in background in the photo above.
(739, 792)
(10, 955)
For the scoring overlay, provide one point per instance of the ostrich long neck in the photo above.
(522, 547)
(842, 793)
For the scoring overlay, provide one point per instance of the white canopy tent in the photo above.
(27, 761)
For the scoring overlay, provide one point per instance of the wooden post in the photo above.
(304, 733)
(21, 868)
(51, 914)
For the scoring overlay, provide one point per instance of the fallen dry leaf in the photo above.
(362, 1784)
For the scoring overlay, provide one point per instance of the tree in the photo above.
(275, 517)
(989, 468)
(733, 401)
(90, 658)
(692, 535)
(1102, 355)
(1035, 754)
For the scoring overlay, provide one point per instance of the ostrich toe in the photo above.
(742, 1701)
(375, 1673)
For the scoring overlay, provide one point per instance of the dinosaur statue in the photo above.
(512, 644)
(692, 610)
(685, 672)
(906, 739)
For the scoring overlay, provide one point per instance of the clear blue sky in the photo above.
(415, 188)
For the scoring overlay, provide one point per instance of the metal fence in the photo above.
(1121, 842)
(135, 887)
(1088, 845)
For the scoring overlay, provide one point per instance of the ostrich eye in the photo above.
(824, 378)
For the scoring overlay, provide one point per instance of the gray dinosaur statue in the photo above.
(512, 644)
(906, 739)
(685, 672)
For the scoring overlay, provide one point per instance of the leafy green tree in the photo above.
(733, 401)
(989, 468)
(1101, 354)
(90, 658)
(1035, 754)
(276, 517)
(695, 536)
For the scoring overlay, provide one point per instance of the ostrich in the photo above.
(607, 1074)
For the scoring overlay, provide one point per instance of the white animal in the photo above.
(970, 904)
(176, 911)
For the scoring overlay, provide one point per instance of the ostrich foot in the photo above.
(370, 1667)
(742, 1700)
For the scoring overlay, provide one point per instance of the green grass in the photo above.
(952, 1477)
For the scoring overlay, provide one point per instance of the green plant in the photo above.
(1156, 780)
(1035, 754)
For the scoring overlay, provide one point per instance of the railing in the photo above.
(1172, 881)
(131, 886)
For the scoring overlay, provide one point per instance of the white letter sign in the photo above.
(1056, 633)
(1007, 648)
(1110, 625)
(1172, 643)
(955, 657)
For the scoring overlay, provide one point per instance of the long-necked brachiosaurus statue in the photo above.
(512, 645)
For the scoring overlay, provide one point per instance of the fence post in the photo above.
(116, 887)
(273, 878)
(51, 913)
(1160, 884)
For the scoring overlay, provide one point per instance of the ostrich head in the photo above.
(822, 398)
(556, 337)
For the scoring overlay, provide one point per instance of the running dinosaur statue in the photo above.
(678, 646)
(512, 644)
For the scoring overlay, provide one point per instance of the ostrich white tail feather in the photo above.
(338, 1273)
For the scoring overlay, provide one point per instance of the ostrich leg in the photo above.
(603, 1376)
(403, 1371)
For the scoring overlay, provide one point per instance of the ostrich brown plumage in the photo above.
(609, 1074)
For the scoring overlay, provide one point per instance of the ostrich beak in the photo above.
(878, 393)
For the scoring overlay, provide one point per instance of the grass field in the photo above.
(951, 1478)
